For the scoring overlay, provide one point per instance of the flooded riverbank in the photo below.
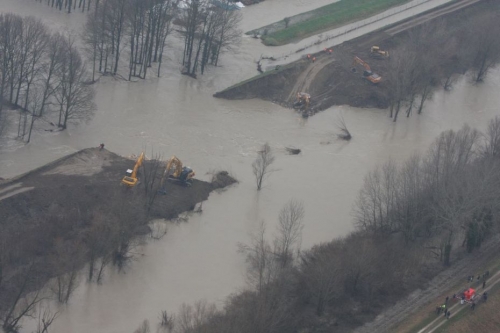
(178, 115)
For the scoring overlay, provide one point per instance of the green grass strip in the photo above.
(326, 18)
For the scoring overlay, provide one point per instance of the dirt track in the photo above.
(458, 272)
(457, 307)
(429, 16)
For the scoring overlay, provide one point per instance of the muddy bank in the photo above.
(330, 79)
(265, 86)
(329, 82)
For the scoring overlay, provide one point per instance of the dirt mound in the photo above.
(87, 163)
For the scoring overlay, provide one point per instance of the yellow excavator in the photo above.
(131, 178)
(367, 73)
(376, 52)
(179, 173)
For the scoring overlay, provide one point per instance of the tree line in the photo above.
(434, 53)
(70, 4)
(139, 29)
(42, 74)
(410, 219)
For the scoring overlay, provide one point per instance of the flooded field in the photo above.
(178, 115)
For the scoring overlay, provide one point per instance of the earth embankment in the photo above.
(330, 78)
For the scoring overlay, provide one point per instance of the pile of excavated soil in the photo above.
(91, 179)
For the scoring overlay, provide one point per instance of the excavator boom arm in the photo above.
(137, 165)
(358, 60)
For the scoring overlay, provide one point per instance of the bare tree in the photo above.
(192, 318)
(228, 35)
(144, 327)
(166, 324)
(75, 97)
(484, 47)
(99, 241)
(377, 199)
(492, 144)
(321, 275)
(261, 166)
(262, 263)
(68, 259)
(45, 319)
(401, 80)
(289, 232)
(19, 303)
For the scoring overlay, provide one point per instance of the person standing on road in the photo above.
(485, 296)
(448, 314)
(473, 306)
(484, 284)
(446, 300)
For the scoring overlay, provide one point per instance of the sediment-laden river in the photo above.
(176, 115)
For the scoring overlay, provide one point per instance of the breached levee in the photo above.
(273, 85)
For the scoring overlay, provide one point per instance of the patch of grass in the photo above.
(421, 319)
(326, 18)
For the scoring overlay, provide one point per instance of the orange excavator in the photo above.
(367, 73)
(131, 178)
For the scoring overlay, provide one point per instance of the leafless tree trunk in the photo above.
(45, 320)
(75, 97)
(289, 234)
(143, 328)
(261, 166)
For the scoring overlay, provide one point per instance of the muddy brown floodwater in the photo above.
(178, 115)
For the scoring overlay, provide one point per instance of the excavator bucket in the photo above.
(129, 181)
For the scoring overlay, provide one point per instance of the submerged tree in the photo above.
(261, 166)
(208, 31)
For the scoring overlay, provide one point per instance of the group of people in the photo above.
(462, 296)
(486, 274)
(443, 309)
